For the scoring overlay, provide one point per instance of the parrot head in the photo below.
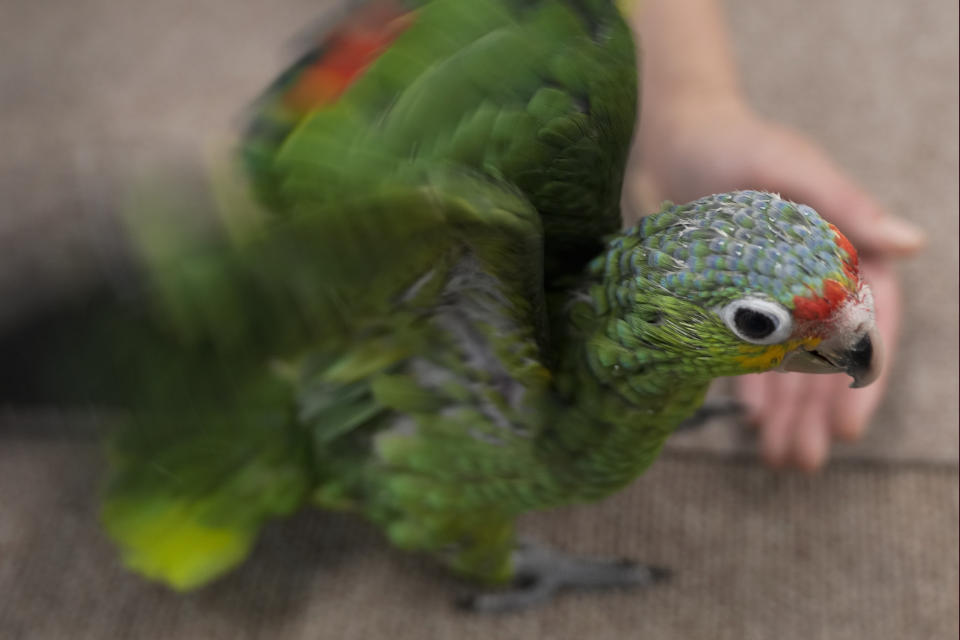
(742, 282)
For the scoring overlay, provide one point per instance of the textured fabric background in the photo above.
(96, 92)
(860, 552)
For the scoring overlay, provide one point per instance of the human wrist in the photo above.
(689, 109)
(687, 63)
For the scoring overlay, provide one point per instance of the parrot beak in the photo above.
(854, 347)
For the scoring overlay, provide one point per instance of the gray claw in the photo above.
(542, 572)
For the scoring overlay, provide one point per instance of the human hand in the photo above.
(692, 151)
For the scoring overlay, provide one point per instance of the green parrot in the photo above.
(425, 312)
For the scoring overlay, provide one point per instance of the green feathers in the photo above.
(188, 492)
(539, 94)
(728, 244)
(420, 323)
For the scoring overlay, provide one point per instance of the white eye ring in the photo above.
(757, 321)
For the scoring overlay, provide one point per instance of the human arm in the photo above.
(698, 135)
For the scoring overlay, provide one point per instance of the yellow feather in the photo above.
(166, 542)
(755, 358)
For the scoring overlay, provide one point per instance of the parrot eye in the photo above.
(758, 321)
(755, 325)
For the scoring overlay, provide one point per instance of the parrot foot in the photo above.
(712, 409)
(541, 572)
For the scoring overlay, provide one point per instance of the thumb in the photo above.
(869, 227)
(811, 177)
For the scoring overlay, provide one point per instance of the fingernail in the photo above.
(901, 232)
(774, 454)
(849, 430)
(811, 460)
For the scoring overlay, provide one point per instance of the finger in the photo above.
(642, 194)
(783, 401)
(811, 177)
(810, 431)
(855, 407)
(869, 227)
(753, 392)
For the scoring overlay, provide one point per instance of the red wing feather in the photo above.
(346, 52)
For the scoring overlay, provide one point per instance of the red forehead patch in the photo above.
(818, 308)
(346, 53)
(851, 264)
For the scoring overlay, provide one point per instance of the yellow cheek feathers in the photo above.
(762, 357)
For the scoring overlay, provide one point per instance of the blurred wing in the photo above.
(539, 94)
(448, 267)
(414, 164)
(333, 269)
